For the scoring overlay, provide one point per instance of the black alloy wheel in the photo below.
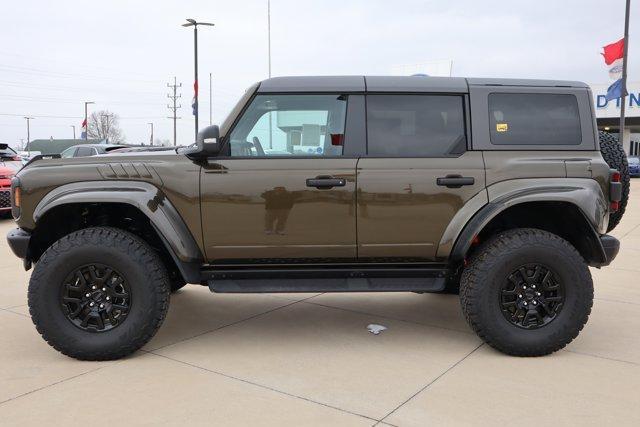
(532, 296)
(95, 298)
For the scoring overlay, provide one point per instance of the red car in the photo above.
(10, 164)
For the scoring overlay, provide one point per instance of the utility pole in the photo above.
(269, 55)
(74, 131)
(624, 75)
(28, 135)
(210, 100)
(269, 34)
(194, 24)
(175, 106)
(151, 132)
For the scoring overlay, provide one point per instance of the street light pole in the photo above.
(86, 122)
(193, 23)
(28, 135)
(269, 33)
(74, 131)
(151, 132)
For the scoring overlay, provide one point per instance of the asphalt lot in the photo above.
(307, 359)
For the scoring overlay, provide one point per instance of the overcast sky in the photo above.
(121, 54)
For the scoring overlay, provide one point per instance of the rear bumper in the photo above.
(19, 242)
(610, 246)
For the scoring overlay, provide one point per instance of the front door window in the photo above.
(291, 125)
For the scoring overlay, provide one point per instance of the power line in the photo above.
(175, 106)
(56, 74)
(79, 117)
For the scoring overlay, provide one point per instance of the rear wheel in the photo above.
(615, 156)
(98, 294)
(526, 292)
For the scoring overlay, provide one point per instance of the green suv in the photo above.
(499, 190)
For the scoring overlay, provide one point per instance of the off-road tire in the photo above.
(138, 263)
(615, 156)
(489, 267)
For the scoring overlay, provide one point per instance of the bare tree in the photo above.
(104, 125)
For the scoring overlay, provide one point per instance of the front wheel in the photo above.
(526, 292)
(98, 294)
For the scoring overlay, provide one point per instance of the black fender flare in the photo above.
(147, 198)
(581, 197)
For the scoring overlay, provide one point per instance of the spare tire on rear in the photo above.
(616, 158)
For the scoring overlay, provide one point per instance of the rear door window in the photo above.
(84, 152)
(534, 119)
(415, 125)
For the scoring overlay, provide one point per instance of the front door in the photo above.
(417, 175)
(282, 192)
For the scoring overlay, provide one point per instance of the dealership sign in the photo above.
(610, 109)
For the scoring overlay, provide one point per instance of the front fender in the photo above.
(144, 196)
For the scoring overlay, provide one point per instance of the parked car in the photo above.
(634, 166)
(7, 153)
(87, 150)
(25, 156)
(370, 184)
(10, 164)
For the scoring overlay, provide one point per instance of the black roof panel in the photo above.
(313, 84)
(397, 84)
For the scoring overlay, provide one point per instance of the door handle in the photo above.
(326, 182)
(455, 181)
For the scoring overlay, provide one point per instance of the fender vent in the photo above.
(127, 171)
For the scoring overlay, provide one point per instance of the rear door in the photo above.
(416, 176)
(284, 190)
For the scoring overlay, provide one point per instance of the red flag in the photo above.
(84, 123)
(613, 51)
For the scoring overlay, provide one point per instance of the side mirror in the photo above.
(208, 141)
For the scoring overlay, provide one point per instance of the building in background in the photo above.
(57, 146)
(608, 115)
(439, 68)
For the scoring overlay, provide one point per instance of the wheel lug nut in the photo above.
(533, 286)
(519, 295)
(524, 287)
(91, 304)
(535, 302)
(538, 294)
(104, 289)
(102, 305)
(87, 295)
(94, 287)
(108, 298)
(525, 303)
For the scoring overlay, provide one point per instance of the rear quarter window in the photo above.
(534, 119)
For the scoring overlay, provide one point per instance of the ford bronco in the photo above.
(500, 190)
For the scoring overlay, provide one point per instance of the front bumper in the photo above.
(610, 247)
(19, 242)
